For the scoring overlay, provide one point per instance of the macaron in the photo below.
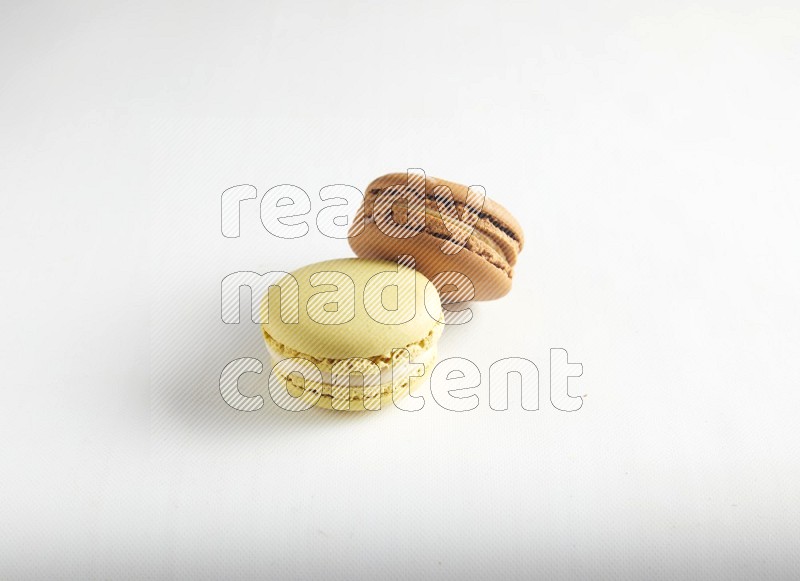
(486, 254)
(348, 333)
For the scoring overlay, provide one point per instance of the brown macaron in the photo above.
(450, 232)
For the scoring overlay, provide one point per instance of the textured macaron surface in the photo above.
(350, 308)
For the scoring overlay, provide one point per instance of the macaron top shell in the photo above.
(351, 307)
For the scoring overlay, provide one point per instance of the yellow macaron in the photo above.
(347, 333)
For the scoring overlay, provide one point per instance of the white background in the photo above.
(650, 151)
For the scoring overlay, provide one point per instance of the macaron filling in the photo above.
(384, 361)
(373, 386)
(365, 382)
(490, 240)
